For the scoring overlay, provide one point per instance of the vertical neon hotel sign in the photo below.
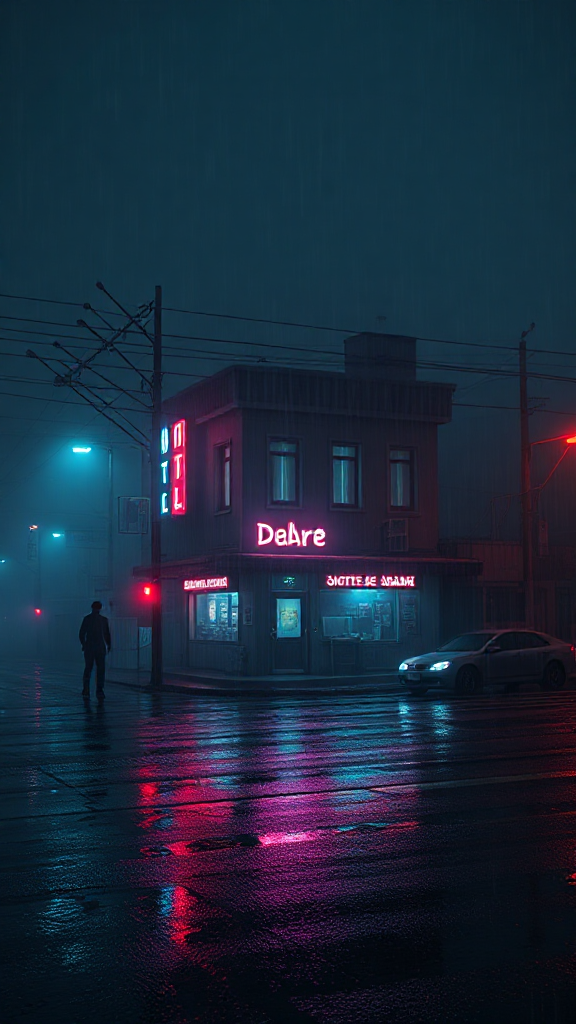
(173, 469)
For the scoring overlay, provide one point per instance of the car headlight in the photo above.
(403, 667)
(439, 666)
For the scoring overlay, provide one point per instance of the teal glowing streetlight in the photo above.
(85, 449)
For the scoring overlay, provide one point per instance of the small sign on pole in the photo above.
(133, 515)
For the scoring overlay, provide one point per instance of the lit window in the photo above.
(355, 614)
(284, 472)
(345, 475)
(215, 618)
(401, 478)
(222, 467)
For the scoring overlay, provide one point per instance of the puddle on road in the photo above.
(248, 841)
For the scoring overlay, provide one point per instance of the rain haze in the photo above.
(348, 229)
(406, 168)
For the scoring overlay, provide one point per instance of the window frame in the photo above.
(220, 461)
(400, 510)
(297, 441)
(357, 461)
(193, 610)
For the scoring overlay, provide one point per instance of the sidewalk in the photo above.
(200, 681)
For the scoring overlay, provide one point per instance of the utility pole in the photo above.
(526, 488)
(70, 371)
(155, 521)
(110, 538)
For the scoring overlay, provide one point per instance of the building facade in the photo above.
(495, 598)
(300, 516)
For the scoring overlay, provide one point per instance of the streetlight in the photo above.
(531, 498)
(34, 555)
(85, 450)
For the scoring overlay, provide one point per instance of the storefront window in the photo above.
(288, 618)
(359, 614)
(216, 616)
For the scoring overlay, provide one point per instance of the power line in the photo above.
(47, 383)
(55, 302)
(59, 401)
(278, 323)
(319, 364)
(491, 372)
(260, 344)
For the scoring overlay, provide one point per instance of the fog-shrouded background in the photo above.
(376, 165)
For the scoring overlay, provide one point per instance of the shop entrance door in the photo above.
(289, 633)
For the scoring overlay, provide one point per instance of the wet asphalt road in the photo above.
(332, 859)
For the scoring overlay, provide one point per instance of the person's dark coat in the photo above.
(94, 633)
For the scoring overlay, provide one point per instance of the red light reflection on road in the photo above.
(279, 838)
(148, 792)
(179, 906)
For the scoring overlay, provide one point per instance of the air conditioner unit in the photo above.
(395, 536)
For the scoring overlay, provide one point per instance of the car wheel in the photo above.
(468, 681)
(554, 676)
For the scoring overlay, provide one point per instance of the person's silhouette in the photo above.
(94, 636)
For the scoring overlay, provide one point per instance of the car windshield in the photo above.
(467, 642)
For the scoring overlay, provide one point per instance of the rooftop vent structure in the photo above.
(380, 356)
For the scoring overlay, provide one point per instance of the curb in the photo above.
(199, 689)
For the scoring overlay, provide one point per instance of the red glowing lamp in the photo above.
(37, 611)
(560, 437)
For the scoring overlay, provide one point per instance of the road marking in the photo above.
(461, 783)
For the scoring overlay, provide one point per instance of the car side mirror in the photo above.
(493, 649)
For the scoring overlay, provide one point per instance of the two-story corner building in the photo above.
(299, 512)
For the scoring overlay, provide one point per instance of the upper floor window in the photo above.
(402, 484)
(346, 475)
(284, 471)
(222, 465)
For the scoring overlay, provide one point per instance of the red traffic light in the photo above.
(147, 591)
(37, 611)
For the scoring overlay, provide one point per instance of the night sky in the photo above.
(318, 161)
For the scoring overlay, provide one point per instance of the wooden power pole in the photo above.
(155, 520)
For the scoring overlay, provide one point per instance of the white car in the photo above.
(500, 657)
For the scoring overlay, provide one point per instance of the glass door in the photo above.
(289, 633)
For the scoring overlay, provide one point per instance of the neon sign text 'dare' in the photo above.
(289, 536)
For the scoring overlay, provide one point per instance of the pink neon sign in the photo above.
(289, 536)
(178, 474)
(363, 582)
(216, 583)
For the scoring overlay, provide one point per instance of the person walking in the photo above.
(94, 636)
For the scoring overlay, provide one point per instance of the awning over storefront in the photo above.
(231, 562)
